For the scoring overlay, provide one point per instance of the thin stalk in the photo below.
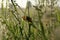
(42, 27)
(29, 30)
(16, 17)
(20, 8)
(16, 11)
(29, 34)
(28, 12)
(5, 14)
(2, 9)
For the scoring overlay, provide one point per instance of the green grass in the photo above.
(18, 29)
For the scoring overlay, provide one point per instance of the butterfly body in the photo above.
(27, 18)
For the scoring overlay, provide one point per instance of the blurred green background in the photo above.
(45, 25)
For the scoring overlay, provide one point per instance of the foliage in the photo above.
(38, 29)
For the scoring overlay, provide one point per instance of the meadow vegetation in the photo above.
(45, 19)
